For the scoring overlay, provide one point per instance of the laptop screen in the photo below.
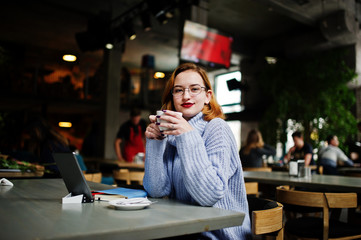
(73, 176)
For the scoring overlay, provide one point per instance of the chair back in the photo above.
(93, 177)
(266, 217)
(136, 176)
(129, 176)
(326, 201)
(122, 175)
(316, 199)
(252, 188)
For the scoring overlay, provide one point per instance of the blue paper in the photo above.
(127, 192)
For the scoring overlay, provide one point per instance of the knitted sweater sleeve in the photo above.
(205, 162)
(156, 180)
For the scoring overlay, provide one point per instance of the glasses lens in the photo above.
(195, 89)
(177, 91)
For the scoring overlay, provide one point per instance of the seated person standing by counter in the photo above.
(332, 156)
(254, 150)
(300, 150)
(196, 160)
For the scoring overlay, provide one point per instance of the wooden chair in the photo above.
(266, 218)
(252, 188)
(318, 227)
(122, 175)
(93, 177)
(136, 176)
(258, 169)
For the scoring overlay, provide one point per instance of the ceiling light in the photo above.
(109, 46)
(159, 75)
(271, 60)
(162, 18)
(69, 58)
(145, 18)
(132, 36)
(162, 9)
(65, 124)
(129, 30)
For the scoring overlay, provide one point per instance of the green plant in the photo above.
(8, 163)
(310, 91)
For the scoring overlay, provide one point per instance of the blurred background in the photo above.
(275, 65)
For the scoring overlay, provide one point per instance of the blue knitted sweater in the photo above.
(201, 167)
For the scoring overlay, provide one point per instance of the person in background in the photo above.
(254, 150)
(132, 133)
(332, 156)
(196, 160)
(300, 150)
(42, 140)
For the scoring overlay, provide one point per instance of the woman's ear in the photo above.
(208, 97)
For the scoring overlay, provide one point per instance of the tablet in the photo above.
(73, 176)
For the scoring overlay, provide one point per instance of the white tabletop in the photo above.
(324, 182)
(32, 209)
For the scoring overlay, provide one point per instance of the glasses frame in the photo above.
(189, 91)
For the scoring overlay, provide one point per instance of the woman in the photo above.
(196, 160)
(254, 150)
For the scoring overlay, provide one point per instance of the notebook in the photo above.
(73, 176)
(108, 194)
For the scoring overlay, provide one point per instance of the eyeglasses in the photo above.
(193, 90)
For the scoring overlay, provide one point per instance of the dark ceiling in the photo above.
(46, 29)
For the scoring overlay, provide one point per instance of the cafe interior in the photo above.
(279, 66)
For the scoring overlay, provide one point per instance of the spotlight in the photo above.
(109, 46)
(162, 9)
(129, 30)
(162, 18)
(271, 60)
(69, 58)
(65, 124)
(145, 18)
(158, 75)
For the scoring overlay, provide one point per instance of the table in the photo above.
(325, 182)
(131, 165)
(32, 209)
(113, 163)
(350, 171)
(18, 174)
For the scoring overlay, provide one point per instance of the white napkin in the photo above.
(5, 182)
(131, 201)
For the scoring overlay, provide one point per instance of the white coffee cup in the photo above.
(159, 113)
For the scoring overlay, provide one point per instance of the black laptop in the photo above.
(73, 176)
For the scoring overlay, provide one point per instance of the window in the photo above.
(230, 101)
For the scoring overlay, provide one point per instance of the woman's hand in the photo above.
(176, 123)
(153, 131)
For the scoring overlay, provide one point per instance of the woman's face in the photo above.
(188, 104)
